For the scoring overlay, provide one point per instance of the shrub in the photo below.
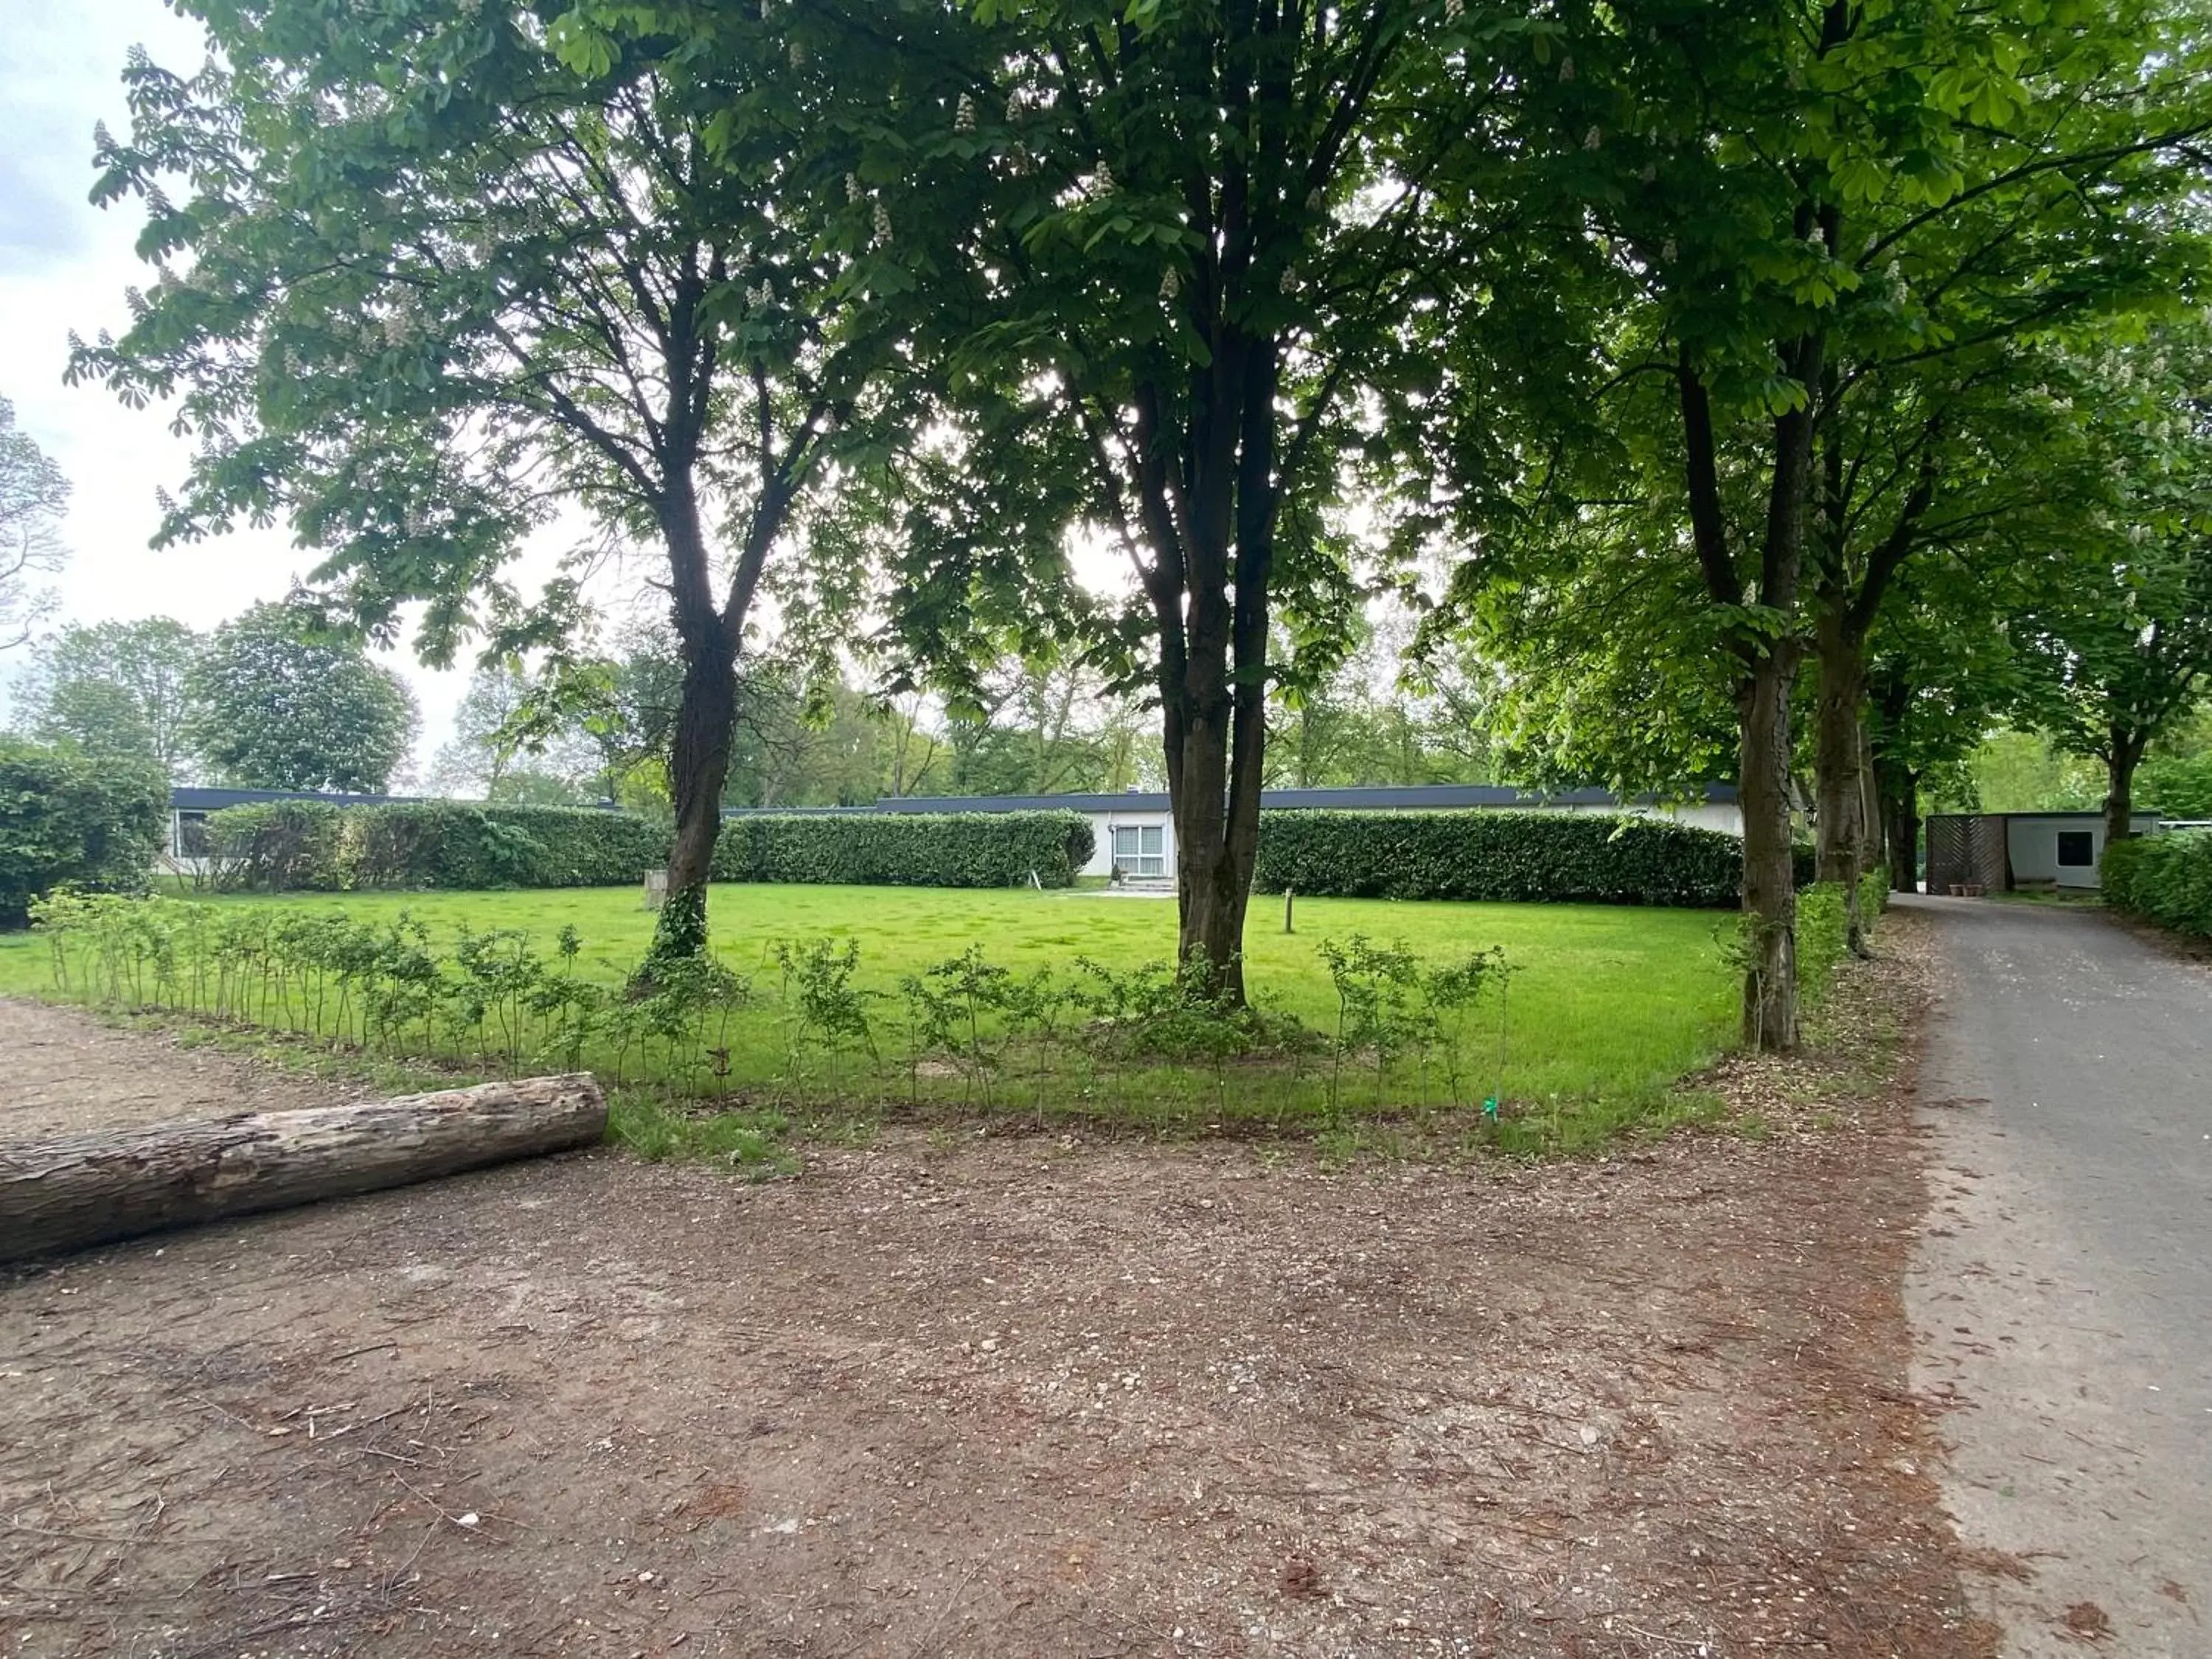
(67, 819)
(2166, 879)
(916, 849)
(1499, 857)
(277, 847)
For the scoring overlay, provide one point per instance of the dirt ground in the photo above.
(62, 1074)
(1007, 1397)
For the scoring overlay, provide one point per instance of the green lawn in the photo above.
(1606, 1009)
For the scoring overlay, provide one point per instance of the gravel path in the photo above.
(2062, 1292)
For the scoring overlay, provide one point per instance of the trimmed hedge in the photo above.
(277, 847)
(906, 849)
(2165, 878)
(311, 846)
(68, 819)
(454, 845)
(1517, 857)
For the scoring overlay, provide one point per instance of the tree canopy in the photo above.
(275, 706)
(114, 688)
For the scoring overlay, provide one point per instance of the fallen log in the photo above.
(94, 1188)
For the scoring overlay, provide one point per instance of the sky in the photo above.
(64, 265)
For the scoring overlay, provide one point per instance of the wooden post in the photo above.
(1290, 898)
(94, 1188)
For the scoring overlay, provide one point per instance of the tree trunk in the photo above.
(1770, 886)
(699, 765)
(1870, 794)
(1768, 668)
(1900, 816)
(1210, 597)
(2124, 754)
(91, 1189)
(1841, 830)
(1209, 905)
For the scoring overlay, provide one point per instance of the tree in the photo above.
(2121, 634)
(115, 688)
(1942, 668)
(2177, 775)
(100, 719)
(501, 752)
(1194, 235)
(34, 496)
(277, 706)
(1741, 178)
(453, 267)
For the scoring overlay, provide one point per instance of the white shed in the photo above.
(2060, 849)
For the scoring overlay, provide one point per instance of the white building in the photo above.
(2002, 852)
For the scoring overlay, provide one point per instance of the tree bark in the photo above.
(91, 1189)
(1209, 905)
(1900, 821)
(1770, 885)
(699, 765)
(1840, 831)
(2124, 753)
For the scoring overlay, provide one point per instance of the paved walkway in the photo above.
(2063, 1292)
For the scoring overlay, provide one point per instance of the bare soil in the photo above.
(1012, 1396)
(63, 1074)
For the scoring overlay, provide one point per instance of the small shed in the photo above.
(2005, 852)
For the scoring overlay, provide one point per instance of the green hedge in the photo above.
(2166, 879)
(906, 849)
(277, 847)
(311, 846)
(1517, 857)
(454, 845)
(65, 818)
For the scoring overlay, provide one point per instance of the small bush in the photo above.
(1824, 929)
(68, 820)
(1517, 857)
(899, 849)
(2165, 878)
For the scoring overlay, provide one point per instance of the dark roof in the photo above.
(2091, 813)
(192, 798)
(1374, 798)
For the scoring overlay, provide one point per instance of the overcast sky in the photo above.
(64, 265)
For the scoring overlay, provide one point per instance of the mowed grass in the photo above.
(1606, 1010)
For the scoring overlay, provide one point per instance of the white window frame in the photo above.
(1147, 852)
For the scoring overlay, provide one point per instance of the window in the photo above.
(2077, 849)
(192, 836)
(1140, 849)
